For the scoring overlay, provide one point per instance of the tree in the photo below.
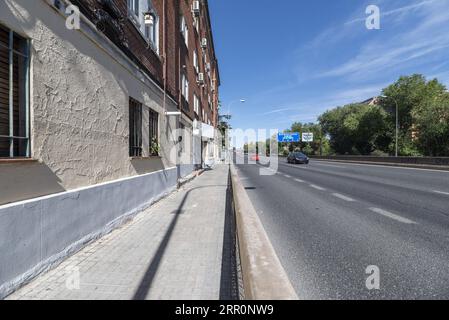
(413, 94)
(224, 127)
(313, 148)
(357, 128)
(432, 126)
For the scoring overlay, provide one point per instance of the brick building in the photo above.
(89, 117)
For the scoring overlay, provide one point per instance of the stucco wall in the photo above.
(80, 89)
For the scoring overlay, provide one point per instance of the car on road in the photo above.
(298, 158)
(255, 157)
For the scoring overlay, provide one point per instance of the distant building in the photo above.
(372, 101)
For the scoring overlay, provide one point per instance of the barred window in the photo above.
(135, 128)
(154, 135)
(14, 95)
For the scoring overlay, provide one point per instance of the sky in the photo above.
(291, 60)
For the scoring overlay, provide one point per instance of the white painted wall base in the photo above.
(37, 234)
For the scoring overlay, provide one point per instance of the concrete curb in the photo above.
(264, 278)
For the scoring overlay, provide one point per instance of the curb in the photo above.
(264, 278)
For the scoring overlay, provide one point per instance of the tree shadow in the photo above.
(148, 278)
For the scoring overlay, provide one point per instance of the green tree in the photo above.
(431, 126)
(357, 129)
(413, 94)
(314, 147)
(223, 127)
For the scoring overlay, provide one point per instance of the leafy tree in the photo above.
(413, 95)
(224, 126)
(356, 129)
(314, 147)
(432, 126)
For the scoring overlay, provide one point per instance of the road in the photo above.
(329, 221)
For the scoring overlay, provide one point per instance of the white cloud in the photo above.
(401, 10)
(429, 36)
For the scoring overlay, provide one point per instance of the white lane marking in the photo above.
(287, 176)
(342, 197)
(441, 192)
(327, 165)
(299, 180)
(317, 187)
(295, 166)
(392, 216)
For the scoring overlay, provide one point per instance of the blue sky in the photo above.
(293, 59)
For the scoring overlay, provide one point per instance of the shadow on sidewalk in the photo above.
(147, 280)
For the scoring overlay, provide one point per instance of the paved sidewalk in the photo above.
(173, 250)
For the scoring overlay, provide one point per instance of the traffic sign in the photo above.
(289, 137)
(307, 137)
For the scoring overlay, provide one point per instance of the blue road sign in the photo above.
(289, 137)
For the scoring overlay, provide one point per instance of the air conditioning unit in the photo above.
(196, 8)
(204, 43)
(201, 78)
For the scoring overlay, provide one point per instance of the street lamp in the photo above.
(231, 103)
(397, 122)
(229, 116)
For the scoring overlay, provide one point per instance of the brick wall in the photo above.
(179, 57)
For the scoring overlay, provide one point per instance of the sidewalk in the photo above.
(173, 250)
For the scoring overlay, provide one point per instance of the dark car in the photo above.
(298, 157)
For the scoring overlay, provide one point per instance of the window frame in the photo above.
(135, 128)
(138, 21)
(185, 31)
(196, 62)
(25, 95)
(134, 7)
(185, 86)
(196, 104)
(153, 127)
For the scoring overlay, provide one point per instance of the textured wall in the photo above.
(80, 88)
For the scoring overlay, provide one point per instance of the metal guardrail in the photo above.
(264, 278)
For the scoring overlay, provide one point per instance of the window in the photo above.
(150, 28)
(185, 87)
(196, 104)
(133, 7)
(185, 31)
(203, 116)
(135, 128)
(14, 95)
(154, 133)
(196, 24)
(195, 61)
(146, 21)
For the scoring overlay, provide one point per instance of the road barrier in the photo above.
(264, 278)
(441, 163)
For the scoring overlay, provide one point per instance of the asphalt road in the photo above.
(329, 221)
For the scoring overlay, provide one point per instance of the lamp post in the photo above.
(233, 102)
(397, 123)
(229, 111)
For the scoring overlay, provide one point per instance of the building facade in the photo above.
(89, 124)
